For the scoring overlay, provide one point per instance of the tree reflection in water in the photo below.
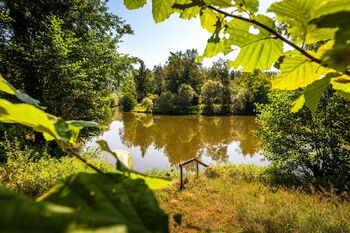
(185, 137)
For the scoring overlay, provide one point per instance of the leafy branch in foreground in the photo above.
(83, 202)
(308, 22)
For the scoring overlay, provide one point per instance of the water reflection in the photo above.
(154, 139)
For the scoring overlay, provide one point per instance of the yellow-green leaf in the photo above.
(134, 4)
(297, 15)
(162, 9)
(5, 86)
(28, 115)
(258, 51)
(311, 95)
(208, 20)
(298, 104)
(297, 71)
(219, 3)
(341, 83)
(251, 6)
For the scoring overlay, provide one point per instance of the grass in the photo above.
(230, 198)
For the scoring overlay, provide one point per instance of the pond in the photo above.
(159, 141)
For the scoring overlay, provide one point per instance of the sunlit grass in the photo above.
(232, 199)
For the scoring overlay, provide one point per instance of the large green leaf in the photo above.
(328, 7)
(297, 71)
(162, 9)
(311, 95)
(85, 203)
(258, 51)
(297, 14)
(8, 88)
(252, 6)
(5, 86)
(341, 84)
(208, 19)
(134, 4)
(28, 115)
(337, 56)
(219, 3)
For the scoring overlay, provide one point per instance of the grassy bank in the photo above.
(236, 199)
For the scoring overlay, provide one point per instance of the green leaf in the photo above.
(27, 115)
(162, 9)
(337, 57)
(341, 83)
(5, 86)
(125, 157)
(252, 6)
(328, 7)
(8, 88)
(297, 15)
(208, 19)
(85, 203)
(83, 124)
(219, 3)
(69, 130)
(297, 71)
(258, 51)
(134, 4)
(120, 165)
(311, 95)
(211, 50)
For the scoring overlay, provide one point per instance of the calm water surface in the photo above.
(164, 141)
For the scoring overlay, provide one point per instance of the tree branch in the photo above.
(75, 154)
(272, 31)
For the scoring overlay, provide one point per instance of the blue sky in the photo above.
(153, 42)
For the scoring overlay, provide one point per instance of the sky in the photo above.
(153, 42)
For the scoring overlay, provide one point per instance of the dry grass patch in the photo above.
(231, 199)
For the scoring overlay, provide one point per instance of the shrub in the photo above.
(148, 104)
(307, 148)
(33, 173)
(128, 102)
(165, 102)
(185, 95)
(211, 94)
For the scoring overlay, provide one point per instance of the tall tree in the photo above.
(182, 68)
(62, 53)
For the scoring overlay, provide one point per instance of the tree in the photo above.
(185, 95)
(148, 104)
(211, 94)
(129, 96)
(182, 68)
(142, 81)
(63, 45)
(220, 71)
(309, 147)
(159, 77)
(314, 21)
(165, 102)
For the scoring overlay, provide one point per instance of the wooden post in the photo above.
(181, 178)
(197, 168)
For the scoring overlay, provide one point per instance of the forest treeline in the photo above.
(184, 86)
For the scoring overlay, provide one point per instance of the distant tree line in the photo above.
(183, 85)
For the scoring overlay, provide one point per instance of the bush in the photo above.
(185, 95)
(305, 148)
(33, 173)
(148, 104)
(211, 95)
(165, 102)
(128, 102)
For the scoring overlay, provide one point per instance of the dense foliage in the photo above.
(312, 149)
(184, 78)
(63, 54)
